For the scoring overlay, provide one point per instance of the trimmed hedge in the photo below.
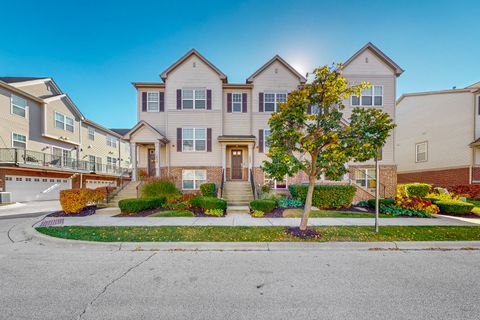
(208, 203)
(75, 200)
(381, 202)
(417, 189)
(208, 189)
(472, 190)
(454, 206)
(265, 205)
(325, 196)
(142, 204)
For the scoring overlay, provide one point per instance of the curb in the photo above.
(25, 232)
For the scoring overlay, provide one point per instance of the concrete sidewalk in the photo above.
(242, 219)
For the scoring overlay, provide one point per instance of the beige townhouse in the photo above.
(47, 145)
(195, 126)
(438, 136)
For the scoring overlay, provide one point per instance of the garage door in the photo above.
(29, 188)
(94, 184)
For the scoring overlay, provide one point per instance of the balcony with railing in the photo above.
(29, 158)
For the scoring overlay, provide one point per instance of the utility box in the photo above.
(5, 197)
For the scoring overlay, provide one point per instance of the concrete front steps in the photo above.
(129, 191)
(237, 193)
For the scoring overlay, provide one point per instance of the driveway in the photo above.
(29, 209)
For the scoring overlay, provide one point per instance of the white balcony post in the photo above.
(133, 157)
(250, 159)
(157, 159)
(224, 161)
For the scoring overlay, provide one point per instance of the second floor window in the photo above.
(111, 142)
(64, 122)
(194, 99)
(372, 96)
(236, 102)
(194, 139)
(152, 101)
(273, 100)
(421, 151)
(91, 133)
(19, 106)
(69, 124)
(19, 141)
(266, 134)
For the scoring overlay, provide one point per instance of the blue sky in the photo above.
(95, 49)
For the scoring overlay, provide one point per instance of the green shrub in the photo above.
(265, 205)
(363, 203)
(399, 211)
(417, 189)
(142, 204)
(214, 212)
(454, 206)
(382, 202)
(257, 214)
(208, 189)
(208, 203)
(159, 187)
(266, 188)
(288, 203)
(325, 196)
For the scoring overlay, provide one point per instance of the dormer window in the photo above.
(194, 99)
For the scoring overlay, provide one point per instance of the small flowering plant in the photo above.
(416, 203)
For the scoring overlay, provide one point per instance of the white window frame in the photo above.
(13, 106)
(111, 141)
(18, 141)
(273, 182)
(240, 103)
(64, 122)
(369, 178)
(194, 98)
(67, 119)
(194, 139)
(265, 146)
(91, 133)
(276, 102)
(148, 101)
(374, 94)
(418, 144)
(196, 185)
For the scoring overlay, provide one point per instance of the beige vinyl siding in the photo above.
(11, 122)
(39, 89)
(156, 119)
(269, 81)
(444, 121)
(61, 106)
(237, 123)
(367, 63)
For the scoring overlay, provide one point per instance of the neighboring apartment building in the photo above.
(438, 136)
(196, 126)
(47, 145)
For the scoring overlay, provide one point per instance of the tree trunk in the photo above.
(308, 203)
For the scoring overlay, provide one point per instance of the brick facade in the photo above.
(214, 174)
(458, 176)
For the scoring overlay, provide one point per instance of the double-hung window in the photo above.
(194, 139)
(111, 142)
(194, 99)
(236, 102)
(59, 121)
(19, 141)
(111, 161)
(266, 134)
(193, 179)
(366, 177)
(273, 100)
(421, 151)
(69, 124)
(372, 96)
(152, 102)
(19, 106)
(91, 133)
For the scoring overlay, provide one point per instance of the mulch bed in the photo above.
(196, 211)
(303, 234)
(87, 211)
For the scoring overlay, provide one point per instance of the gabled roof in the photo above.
(194, 52)
(474, 85)
(121, 132)
(20, 79)
(382, 56)
(100, 127)
(141, 124)
(285, 63)
(429, 93)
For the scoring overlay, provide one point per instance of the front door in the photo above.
(151, 163)
(237, 170)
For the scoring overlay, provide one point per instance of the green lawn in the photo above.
(297, 213)
(173, 213)
(260, 234)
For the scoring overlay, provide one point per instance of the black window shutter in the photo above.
(260, 102)
(161, 102)
(260, 140)
(244, 102)
(209, 139)
(209, 99)
(179, 99)
(229, 102)
(144, 101)
(179, 139)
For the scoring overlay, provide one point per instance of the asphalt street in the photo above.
(63, 282)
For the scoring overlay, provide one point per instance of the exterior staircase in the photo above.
(129, 191)
(237, 193)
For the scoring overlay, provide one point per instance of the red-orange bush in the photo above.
(75, 200)
(472, 190)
